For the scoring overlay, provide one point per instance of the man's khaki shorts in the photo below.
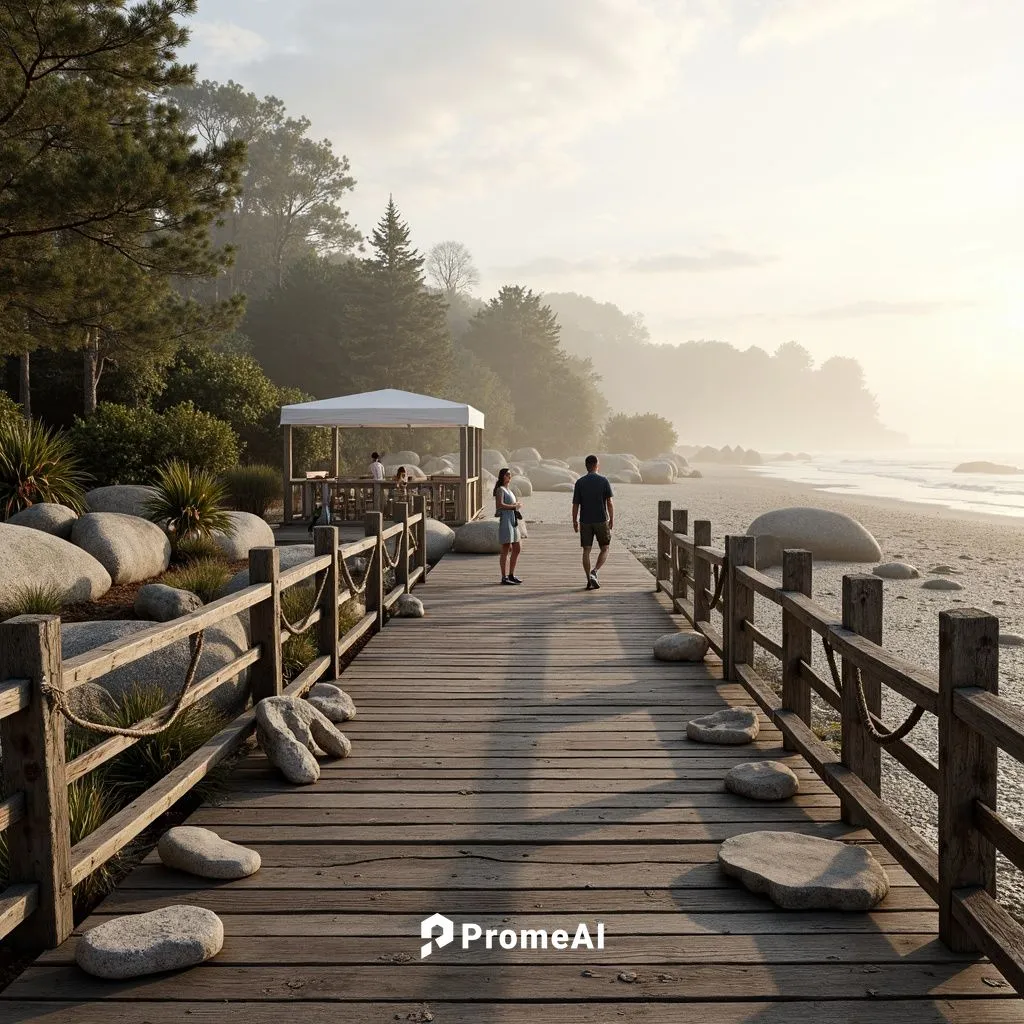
(589, 532)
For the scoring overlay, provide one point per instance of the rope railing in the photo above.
(307, 621)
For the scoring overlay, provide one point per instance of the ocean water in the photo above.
(915, 475)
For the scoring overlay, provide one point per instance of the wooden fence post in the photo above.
(402, 569)
(374, 525)
(968, 764)
(797, 574)
(39, 846)
(862, 612)
(419, 507)
(680, 524)
(661, 569)
(265, 624)
(739, 605)
(701, 571)
(325, 542)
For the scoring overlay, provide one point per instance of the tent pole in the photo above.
(286, 464)
(336, 453)
(463, 509)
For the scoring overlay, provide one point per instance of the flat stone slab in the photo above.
(762, 780)
(202, 852)
(681, 647)
(800, 872)
(730, 726)
(332, 702)
(290, 731)
(163, 940)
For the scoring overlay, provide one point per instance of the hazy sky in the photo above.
(848, 174)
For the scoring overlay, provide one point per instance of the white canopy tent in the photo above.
(390, 409)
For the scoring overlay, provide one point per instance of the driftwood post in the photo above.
(739, 604)
(419, 507)
(701, 571)
(325, 542)
(661, 570)
(797, 572)
(402, 569)
(39, 846)
(374, 525)
(862, 612)
(968, 657)
(677, 553)
(265, 624)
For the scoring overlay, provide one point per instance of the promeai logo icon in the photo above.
(444, 928)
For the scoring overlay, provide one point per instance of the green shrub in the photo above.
(253, 488)
(119, 444)
(32, 599)
(206, 578)
(188, 502)
(37, 464)
(149, 760)
(645, 435)
(186, 433)
(9, 408)
(298, 651)
(197, 549)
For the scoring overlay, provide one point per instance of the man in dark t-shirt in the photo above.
(592, 517)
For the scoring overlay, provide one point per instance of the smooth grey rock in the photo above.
(940, 583)
(566, 488)
(160, 603)
(525, 455)
(731, 726)
(988, 467)
(1011, 639)
(681, 647)
(827, 535)
(290, 730)
(439, 467)
(163, 940)
(29, 556)
(617, 463)
(658, 471)
(128, 499)
(801, 872)
(408, 606)
(290, 555)
(128, 547)
(762, 780)
(677, 460)
(521, 486)
(440, 539)
(164, 668)
(493, 460)
(332, 702)
(548, 478)
(47, 517)
(248, 531)
(945, 570)
(478, 538)
(406, 459)
(896, 571)
(202, 852)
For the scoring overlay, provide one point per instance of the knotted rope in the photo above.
(306, 622)
(59, 699)
(882, 737)
(346, 575)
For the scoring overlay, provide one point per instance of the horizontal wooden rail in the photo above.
(114, 745)
(996, 718)
(826, 691)
(98, 662)
(308, 677)
(763, 640)
(993, 931)
(12, 810)
(392, 596)
(759, 583)
(302, 571)
(1006, 838)
(17, 902)
(15, 696)
(356, 633)
(358, 547)
(714, 637)
(712, 555)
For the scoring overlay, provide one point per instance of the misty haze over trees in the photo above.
(260, 282)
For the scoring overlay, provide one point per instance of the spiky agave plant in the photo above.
(188, 502)
(37, 464)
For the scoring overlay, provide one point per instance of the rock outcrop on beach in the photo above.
(440, 538)
(831, 536)
(987, 467)
(478, 538)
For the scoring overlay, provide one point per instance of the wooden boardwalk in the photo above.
(520, 761)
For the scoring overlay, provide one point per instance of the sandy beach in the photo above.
(986, 551)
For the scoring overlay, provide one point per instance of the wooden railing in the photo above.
(973, 722)
(44, 867)
(448, 498)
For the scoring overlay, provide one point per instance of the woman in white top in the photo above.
(506, 506)
(376, 469)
